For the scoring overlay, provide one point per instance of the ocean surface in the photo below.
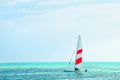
(55, 71)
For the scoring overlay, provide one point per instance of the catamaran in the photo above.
(78, 58)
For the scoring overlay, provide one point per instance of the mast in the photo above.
(78, 58)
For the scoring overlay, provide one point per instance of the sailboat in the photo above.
(78, 58)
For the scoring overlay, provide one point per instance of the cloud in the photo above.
(62, 2)
(33, 7)
(97, 24)
(14, 2)
(91, 17)
(74, 2)
(54, 2)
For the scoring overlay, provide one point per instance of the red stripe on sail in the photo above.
(79, 51)
(78, 61)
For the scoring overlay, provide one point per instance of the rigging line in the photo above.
(71, 58)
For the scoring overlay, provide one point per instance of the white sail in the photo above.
(78, 58)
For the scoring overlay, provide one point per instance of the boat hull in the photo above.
(69, 71)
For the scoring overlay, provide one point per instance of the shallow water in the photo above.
(55, 71)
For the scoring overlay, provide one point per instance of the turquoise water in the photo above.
(55, 71)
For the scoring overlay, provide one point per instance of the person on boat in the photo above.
(85, 70)
(76, 69)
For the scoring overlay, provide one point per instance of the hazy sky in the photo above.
(47, 30)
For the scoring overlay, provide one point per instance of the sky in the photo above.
(47, 30)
